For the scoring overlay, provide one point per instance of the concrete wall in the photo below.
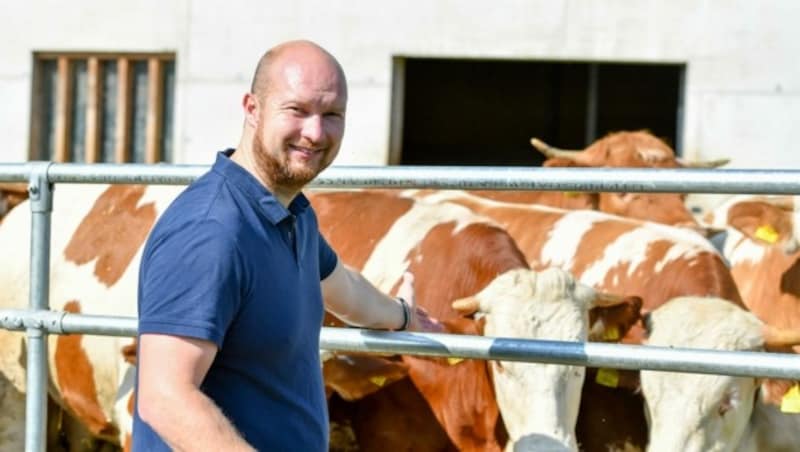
(742, 86)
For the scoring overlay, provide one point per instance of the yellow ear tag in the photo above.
(791, 400)
(572, 194)
(767, 233)
(378, 381)
(454, 361)
(607, 377)
(611, 334)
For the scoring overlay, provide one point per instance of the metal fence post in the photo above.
(41, 202)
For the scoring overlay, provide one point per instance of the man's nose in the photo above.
(312, 128)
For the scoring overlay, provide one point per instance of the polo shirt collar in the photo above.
(255, 192)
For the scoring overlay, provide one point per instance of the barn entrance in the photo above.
(484, 112)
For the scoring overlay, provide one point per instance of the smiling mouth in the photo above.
(305, 152)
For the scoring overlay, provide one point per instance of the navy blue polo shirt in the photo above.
(227, 263)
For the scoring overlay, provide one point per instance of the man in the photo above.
(230, 299)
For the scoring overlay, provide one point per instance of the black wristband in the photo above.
(406, 314)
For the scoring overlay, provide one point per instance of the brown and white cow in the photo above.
(618, 255)
(558, 311)
(653, 261)
(762, 249)
(696, 412)
(637, 149)
(96, 239)
(455, 254)
(761, 245)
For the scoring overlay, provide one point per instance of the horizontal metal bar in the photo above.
(593, 354)
(160, 174)
(753, 181)
(59, 322)
(648, 180)
(15, 172)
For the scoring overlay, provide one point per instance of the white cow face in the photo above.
(539, 402)
(697, 412)
(693, 412)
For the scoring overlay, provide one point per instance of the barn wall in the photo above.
(742, 82)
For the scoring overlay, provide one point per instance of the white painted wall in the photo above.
(743, 78)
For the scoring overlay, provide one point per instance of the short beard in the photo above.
(276, 170)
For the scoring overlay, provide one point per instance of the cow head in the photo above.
(627, 149)
(539, 402)
(765, 221)
(638, 149)
(693, 412)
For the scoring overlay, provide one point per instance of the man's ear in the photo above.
(251, 108)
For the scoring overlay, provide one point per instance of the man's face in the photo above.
(301, 124)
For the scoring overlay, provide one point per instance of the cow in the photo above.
(761, 247)
(620, 255)
(610, 253)
(96, 244)
(760, 241)
(629, 149)
(558, 311)
(625, 149)
(96, 239)
(636, 149)
(696, 412)
(398, 234)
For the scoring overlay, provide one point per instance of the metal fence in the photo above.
(38, 320)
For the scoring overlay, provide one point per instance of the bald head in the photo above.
(288, 53)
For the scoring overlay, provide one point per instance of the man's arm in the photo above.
(171, 369)
(354, 300)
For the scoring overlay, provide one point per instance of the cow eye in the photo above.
(726, 404)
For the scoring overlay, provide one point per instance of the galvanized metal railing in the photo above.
(38, 321)
(750, 181)
(592, 354)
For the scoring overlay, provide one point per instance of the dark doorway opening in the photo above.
(484, 112)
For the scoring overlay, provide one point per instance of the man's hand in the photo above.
(420, 320)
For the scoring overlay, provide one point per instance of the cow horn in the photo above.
(605, 299)
(705, 164)
(780, 337)
(551, 152)
(466, 305)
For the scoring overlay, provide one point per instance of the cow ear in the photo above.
(782, 393)
(762, 222)
(466, 305)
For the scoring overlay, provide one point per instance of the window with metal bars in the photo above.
(102, 107)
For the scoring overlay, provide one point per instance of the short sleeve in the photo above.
(190, 282)
(327, 258)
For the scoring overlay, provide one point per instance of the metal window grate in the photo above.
(102, 107)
